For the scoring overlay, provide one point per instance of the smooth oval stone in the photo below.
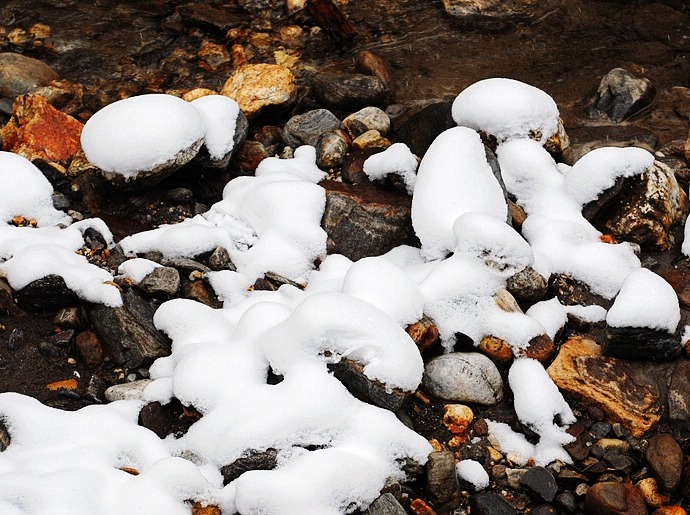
(464, 377)
(20, 74)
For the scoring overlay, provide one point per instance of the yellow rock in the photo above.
(256, 86)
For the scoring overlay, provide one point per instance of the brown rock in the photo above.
(90, 348)
(200, 291)
(424, 333)
(200, 509)
(67, 384)
(653, 496)
(540, 348)
(679, 279)
(213, 56)
(457, 418)
(364, 221)
(20, 74)
(670, 510)
(370, 139)
(665, 459)
(39, 131)
(611, 498)
(376, 66)
(496, 349)
(257, 86)
(625, 390)
(250, 155)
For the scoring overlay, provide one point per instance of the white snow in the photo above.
(506, 109)
(454, 177)
(645, 300)
(396, 159)
(335, 452)
(139, 133)
(473, 472)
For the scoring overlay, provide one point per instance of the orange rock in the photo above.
(256, 86)
(89, 346)
(200, 509)
(419, 507)
(130, 470)
(540, 348)
(496, 349)
(670, 510)
(39, 131)
(424, 333)
(457, 418)
(67, 384)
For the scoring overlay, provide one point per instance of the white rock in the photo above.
(464, 377)
(127, 391)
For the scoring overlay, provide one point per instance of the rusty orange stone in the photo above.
(608, 238)
(200, 509)
(419, 507)
(67, 384)
(39, 131)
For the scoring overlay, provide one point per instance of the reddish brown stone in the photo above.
(540, 348)
(39, 131)
(90, 348)
(679, 279)
(610, 498)
(424, 333)
(665, 458)
(497, 350)
(67, 384)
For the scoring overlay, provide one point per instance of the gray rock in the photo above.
(386, 504)
(442, 482)
(307, 128)
(331, 150)
(540, 483)
(349, 92)
(418, 123)
(60, 201)
(364, 221)
(127, 332)
(489, 503)
(369, 118)
(621, 95)
(490, 15)
(679, 393)
(185, 265)
(20, 75)
(640, 343)
(253, 460)
(527, 286)
(464, 377)
(162, 280)
(49, 292)
(127, 391)
(220, 260)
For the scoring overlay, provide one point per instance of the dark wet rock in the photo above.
(567, 501)
(204, 159)
(629, 392)
(665, 459)
(185, 265)
(375, 65)
(386, 504)
(127, 332)
(218, 18)
(657, 21)
(527, 286)
(200, 291)
(179, 195)
(679, 279)
(250, 154)
(253, 460)
(16, 339)
(220, 260)
(679, 393)
(48, 349)
(350, 92)
(611, 498)
(7, 304)
(641, 209)
(70, 318)
(600, 429)
(167, 419)
(571, 292)
(640, 343)
(351, 374)
(367, 119)
(442, 483)
(90, 349)
(618, 461)
(352, 170)
(364, 221)
(271, 137)
(463, 377)
(418, 123)
(95, 391)
(162, 280)
(587, 138)
(60, 201)
(20, 74)
(490, 503)
(541, 347)
(621, 95)
(331, 150)
(307, 128)
(490, 15)
(544, 509)
(49, 292)
(540, 483)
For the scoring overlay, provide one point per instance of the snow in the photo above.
(454, 177)
(396, 159)
(139, 133)
(335, 452)
(645, 300)
(473, 472)
(506, 109)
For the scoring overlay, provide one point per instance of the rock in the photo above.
(220, 260)
(179, 195)
(250, 154)
(16, 339)
(307, 128)
(640, 343)
(185, 266)
(540, 483)
(367, 119)
(641, 209)
(665, 459)
(587, 138)
(350, 92)
(610, 444)
(621, 95)
(649, 489)
(386, 504)
(442, 483)
(168, 419)
(331, 150)
(541, 348)
(609, 498)
(544, 509)
(424, 333)
(204, 158)
(252, 460)
(364, 221)
(200, 291)
(218, 18)
(39, 131)
(5, 437)
(352, 170)
(89, 347)
(127, 332)
(457, 419)
(20, 74)
(679, 392)
(70, 318)
(49, 292)
(618, 462)
(657, 21)
(463, 377)
(670, 510)
(371, 63)
(490, 503)
(213, 56)
(127, 391)
(418, 123)
(7, 304)
(351, 374)
(66, 385)
(490, 15)
(679, 279)
(163, 281)
(527, 286)
(571, 292)
(370, 139)
(256, 87)
(626, 391)
(497, 350)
